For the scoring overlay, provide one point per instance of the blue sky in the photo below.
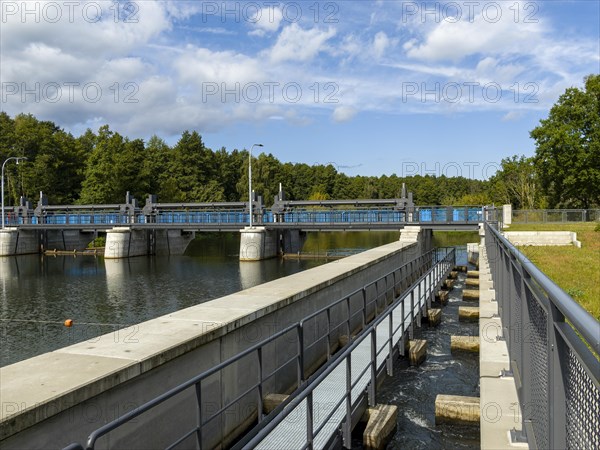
(372, 87)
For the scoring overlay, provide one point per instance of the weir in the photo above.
(167, 228)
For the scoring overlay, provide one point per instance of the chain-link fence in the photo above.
(553, 346)
(555, 215)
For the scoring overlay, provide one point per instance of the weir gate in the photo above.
(168, 228)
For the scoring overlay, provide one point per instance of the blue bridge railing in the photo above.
(422, 214)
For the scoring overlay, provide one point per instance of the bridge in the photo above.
(160, 228)
(296, 362)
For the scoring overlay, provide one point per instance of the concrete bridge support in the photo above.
(18, 242)
(258, 243)
(124, 242)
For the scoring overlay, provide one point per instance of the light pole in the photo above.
(250, 181)
(17, 159)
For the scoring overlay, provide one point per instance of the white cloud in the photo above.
(455, 40)
(381, 43)
(344, 113)
(197, 65)
(297, 44)
(512, 115)
(266, 20)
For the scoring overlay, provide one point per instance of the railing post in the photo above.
(373, 384)
(309, 420)
(419, 299)
(300, 354)
(412, 314)
(364, 315)
(390, 360)
(402, 328)
(347, 427)
(259, 401)
(199, 402)
(329, 331)
(558, 354)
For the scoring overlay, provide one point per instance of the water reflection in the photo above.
(37, 293)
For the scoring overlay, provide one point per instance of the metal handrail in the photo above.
(221, 216)
(582, 321)
(417, 265)
(294, 401)
(551, 342)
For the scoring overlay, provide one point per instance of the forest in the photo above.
(101, 166)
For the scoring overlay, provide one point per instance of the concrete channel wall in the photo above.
(60, 397)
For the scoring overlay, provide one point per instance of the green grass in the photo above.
(575, 270)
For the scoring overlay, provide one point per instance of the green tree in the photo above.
(516, 183)
(568, 148)
(192, 171)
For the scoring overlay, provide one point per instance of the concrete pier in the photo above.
(417, 351)
(442, 297)
(473, 253)
(125, 242)
(464, 343)
(470, 295)
(258, 243)
(468, 313)
(381, 425)
(434, 316)
(456, 409)
(18, 242)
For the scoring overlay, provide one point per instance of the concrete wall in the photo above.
(54, 399)
(542, 238)
(18, 242)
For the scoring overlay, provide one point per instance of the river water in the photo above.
(38, 293)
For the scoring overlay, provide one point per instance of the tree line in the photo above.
(99, 167)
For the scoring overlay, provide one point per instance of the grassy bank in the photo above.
(576, 270)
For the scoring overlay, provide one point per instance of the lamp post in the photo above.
(17, 159)
(250, 181)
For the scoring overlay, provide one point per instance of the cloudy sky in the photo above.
(372, 87)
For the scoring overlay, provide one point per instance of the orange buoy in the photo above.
(68, 323)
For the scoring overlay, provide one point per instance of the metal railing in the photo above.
(546, 331)
(353, 312)
(555, 215)
(311, 417)
(112, 215)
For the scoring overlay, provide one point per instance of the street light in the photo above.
(250, 180)
(17, 159)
